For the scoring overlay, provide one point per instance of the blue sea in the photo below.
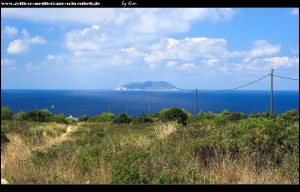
(93, 102)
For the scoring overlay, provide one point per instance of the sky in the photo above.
(103, 48)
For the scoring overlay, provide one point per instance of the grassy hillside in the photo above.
(217, 148)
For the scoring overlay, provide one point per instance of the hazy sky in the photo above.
(91, 48)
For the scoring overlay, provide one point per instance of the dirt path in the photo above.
(57, 140)
(49, 143)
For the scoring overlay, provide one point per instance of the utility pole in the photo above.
(271, 94)
(37, 116)
(196, 103)
(149, 103)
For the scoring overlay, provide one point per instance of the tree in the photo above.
(84, 118)
(40, 115)
(6, 113)
(21, 115)
(122, 118)
(173, 114)
(60, 118)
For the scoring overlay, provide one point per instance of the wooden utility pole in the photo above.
(271, 93)
(196, 103)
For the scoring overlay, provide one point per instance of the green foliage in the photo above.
(236, 116)
(129, 171)
(84, 118)
(190, 117)
(6, 113)
(20, 116)
(60, 118)
(262, 138)
(89, 136)
(4, 138)
(39, 116)
(122, 118)
(104, 117)
(201, 116)
(290, 116)
(173, 114)
(142, 119)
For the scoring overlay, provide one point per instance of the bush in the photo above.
(104, 117)
(290, 116)
(122, 118)
(6, 113)
(173, 114)
(142, 119)
(237, 116)
(129, 170)
(84, 118)
(61, 118)
(39, 116)
(20, 116)
(4, 138)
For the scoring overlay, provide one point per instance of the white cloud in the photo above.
(263, 48)
(19, 46)
(188, 49)
(132, 52)
(294, 11)
(173, 20)
(186, 67)
(171, 63)
(86, 39)
(7, 62)
(266, 64)
(148, 20)
(210, 62)
(10, 31)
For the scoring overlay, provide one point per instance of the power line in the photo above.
(286, 77)
(138, 99)
(172, 97)
(236, 87)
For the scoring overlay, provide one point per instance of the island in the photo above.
(148, 86)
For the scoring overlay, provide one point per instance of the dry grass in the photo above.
(163, 130)
(138, 140)
(232, 172)
(13, 157)
(50, 141)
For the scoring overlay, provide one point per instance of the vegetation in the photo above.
(173, 114)
(166, 148)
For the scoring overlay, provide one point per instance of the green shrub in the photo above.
(128, 169)
(60, 118)
(237, 116)
(4, 138)
(173, 114)
(6, 113)
(39, 116)
(290, 116)
(84, 118)
(20, 116)
(104, 117)
(122, 118)
(142, 119)
(200, 116)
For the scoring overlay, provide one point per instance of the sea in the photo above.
(94, 102)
